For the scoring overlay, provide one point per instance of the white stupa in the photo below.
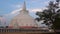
(2, 21)
(23, 20)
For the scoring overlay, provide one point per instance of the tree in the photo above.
(50, 15)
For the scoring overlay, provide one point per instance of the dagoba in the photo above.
(2, 21)
(23, 20)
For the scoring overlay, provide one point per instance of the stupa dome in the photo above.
(2, 21)
(23, 20)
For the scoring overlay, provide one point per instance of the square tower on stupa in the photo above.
(23, 20)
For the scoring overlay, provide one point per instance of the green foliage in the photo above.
(50, 15)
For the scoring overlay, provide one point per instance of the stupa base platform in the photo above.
(24, 31)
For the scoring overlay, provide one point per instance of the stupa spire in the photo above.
(24, 6)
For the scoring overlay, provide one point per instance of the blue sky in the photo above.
(6, 6)
(9, 8)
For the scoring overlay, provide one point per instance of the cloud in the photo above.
(39, 1)
(16, 6)
(35, 10)
(33, 1)
(15, 11)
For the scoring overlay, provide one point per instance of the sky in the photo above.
(10, 8)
